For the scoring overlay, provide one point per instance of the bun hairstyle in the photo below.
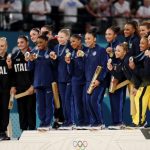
(44, 37)
(66, 31)
(134, 24)
(24, 37)
(36, 30)
(49, 27)
(93, 31)
(45, 33)
(115, 29)
(77, 36)
(124, 45)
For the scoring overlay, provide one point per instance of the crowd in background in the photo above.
(25, 14)
(71, 64)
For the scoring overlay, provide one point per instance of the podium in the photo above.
(79, 140)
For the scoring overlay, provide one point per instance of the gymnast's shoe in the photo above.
(66, 127)
(44, 128)
(3, 136)
(98, 127)
(117, 127)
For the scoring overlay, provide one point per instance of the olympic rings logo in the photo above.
(80, 145)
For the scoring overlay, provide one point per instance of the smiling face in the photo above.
(62, 38)
(128, 30)
(143, 44)
(3, 47)
(22, 44)
(90, 40)
(34, 35)
(143, 30)
(110, 35)
(120, 52)
(41, 44)
(75, 43)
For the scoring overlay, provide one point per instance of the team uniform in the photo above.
(5, 85)
(142, 97)
(52, 43)
(118, 97)
(123, 72)
(58, 114)
(22, 80)
(76, 69)
(133, 45)
(95, 57)
(43, 78)
(64, 83)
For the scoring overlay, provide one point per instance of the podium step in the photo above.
(79, 140)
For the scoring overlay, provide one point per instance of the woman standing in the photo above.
(131, 34)
(95, 56)
(140, 68)
(5, 89)
(22, 81)
(76, 65)
(42, 67)
(64, 77)
(116, 98)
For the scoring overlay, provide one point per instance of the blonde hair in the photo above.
(3, 39)
(67, 32)
(124, 45)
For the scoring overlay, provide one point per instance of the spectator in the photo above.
(26, 16)
(134, 5)
(25, 4)
(2, 19)
(39, 8)
(121, 9)
(104, 11)
(144, 11)
(87, 17)
(69, 7)
(14, 20)
(55, 14)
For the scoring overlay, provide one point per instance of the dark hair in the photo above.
(115, 29)
(48, 27)
(23, 37)
(45, 33)
(134, 24)
(93, 32)
(36, 29)
(44, 37)
(77, 36)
